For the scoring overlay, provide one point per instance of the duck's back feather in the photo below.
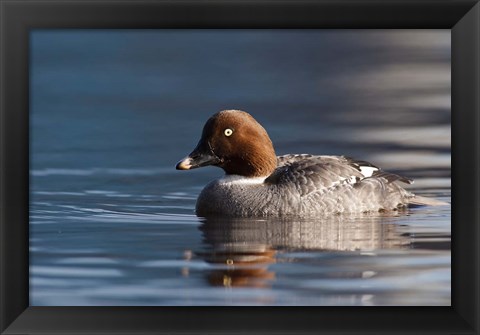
(320, 173)
(340, 184)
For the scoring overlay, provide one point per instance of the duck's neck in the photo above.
(253, 163)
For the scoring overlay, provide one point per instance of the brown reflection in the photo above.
(242, 250)
(243, 265)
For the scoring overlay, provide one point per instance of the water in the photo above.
(112, 222)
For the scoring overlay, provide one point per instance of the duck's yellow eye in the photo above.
(228, 132)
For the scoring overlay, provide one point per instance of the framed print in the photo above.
(321, 115)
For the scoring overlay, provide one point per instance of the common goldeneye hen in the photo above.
(258, 183)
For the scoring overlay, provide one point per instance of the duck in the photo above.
(258, 183)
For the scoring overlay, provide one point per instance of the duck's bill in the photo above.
(195, 160)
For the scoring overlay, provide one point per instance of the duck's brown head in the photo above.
(236, 142)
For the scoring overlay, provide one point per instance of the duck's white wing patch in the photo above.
(367, 171)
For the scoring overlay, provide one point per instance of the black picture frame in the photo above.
(18, 17)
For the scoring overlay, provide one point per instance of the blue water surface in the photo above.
(112, 222)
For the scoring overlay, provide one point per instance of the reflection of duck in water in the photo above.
(242, 250)
(241, 265)
(258, 183)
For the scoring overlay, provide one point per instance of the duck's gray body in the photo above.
(307, 185)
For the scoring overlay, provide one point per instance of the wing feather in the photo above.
(321, 174)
